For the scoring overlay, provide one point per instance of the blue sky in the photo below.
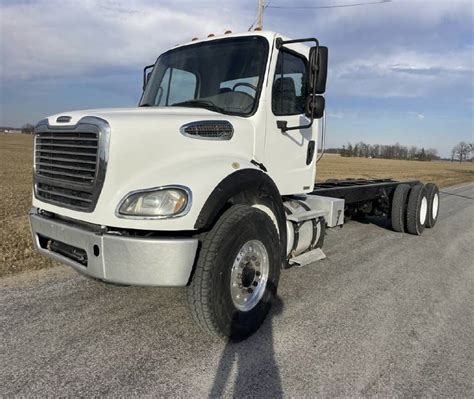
(401, 71)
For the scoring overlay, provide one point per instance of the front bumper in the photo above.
(150, 261)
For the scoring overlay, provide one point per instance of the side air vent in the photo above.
(208, 130)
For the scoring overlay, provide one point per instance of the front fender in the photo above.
(200, 175)
(250, 187)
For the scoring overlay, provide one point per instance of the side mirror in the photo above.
(147, 74)
(315, 105)
(318, 69)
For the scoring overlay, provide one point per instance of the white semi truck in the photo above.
(209, 183)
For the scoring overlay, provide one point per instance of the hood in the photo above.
(155, 132)
(137, 112)
(146, 149)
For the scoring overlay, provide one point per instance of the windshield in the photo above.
(222, 75)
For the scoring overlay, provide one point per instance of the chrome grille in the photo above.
(70, 163)
(68, 156)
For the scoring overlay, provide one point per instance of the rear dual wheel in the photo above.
(414, 208)
(417, 210)
(399, 207)
(432, 193)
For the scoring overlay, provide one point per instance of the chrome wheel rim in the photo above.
(435, 206)
(423, 210)
(249, 275)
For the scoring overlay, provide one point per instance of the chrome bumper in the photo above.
(115, 258)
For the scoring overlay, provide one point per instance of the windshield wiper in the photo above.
(200, 104)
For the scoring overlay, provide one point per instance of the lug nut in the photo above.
(249, 290)
(257, 273)
(255, 283)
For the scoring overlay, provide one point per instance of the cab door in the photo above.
(290, 156)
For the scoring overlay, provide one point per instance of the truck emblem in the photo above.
(63, 119)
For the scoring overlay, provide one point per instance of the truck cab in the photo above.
(203, 185)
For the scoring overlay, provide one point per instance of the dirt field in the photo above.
(17, 254)
(443, 173)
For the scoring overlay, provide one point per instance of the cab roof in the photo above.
(270, 36)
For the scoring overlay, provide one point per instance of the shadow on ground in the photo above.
(256, 369)
(379, 221)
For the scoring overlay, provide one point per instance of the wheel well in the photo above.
(245, 187)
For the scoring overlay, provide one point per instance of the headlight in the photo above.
(162, 202)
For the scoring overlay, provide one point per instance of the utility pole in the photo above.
(261, 8)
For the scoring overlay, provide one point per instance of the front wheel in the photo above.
(237, 274)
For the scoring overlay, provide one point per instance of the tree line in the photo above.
(394, 151)
(462, 152)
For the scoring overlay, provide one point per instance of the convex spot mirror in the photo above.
(315, 104)
(318, 69)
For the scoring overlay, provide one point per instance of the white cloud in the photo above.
(61, 37)
(404, 73)
(398, 49)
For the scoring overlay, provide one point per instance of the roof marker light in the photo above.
(194, 39)
(211, 35)
(227, 32)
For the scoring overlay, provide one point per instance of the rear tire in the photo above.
(417, 210)
(236, 256)
(399, 206)
(432, 194)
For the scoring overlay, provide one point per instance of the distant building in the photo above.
(9, 130)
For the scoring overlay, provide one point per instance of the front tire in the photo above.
(237, 274)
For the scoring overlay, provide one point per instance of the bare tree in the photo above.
(431, 153)
(462, 151)
(350, 150)
(27, 128)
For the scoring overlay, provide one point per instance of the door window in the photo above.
(289, 85)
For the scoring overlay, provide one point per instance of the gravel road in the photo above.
(385, 314)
